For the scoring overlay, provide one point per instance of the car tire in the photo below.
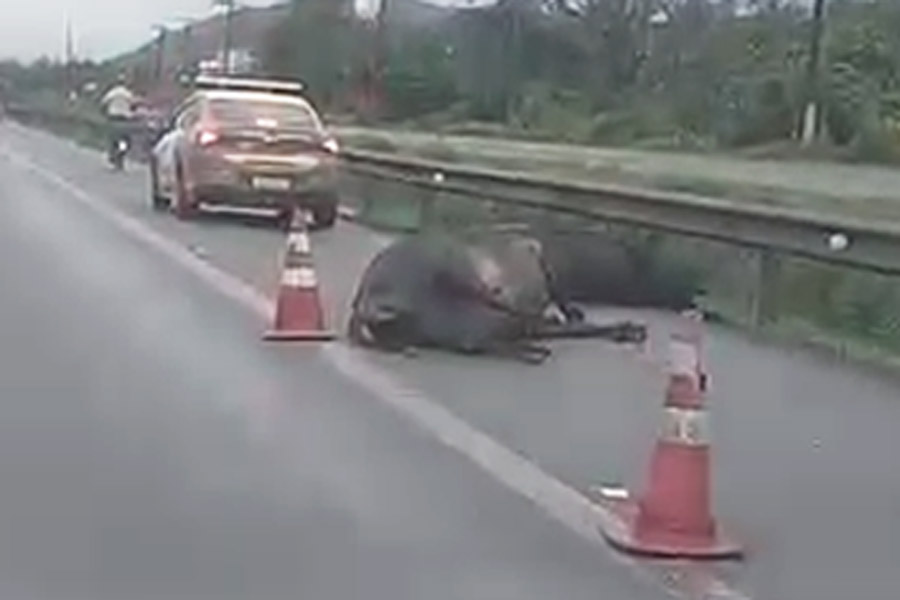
(185, 207)
(284, 219)
(158, 201)
(325, 214)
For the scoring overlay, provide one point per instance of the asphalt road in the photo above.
(152, 447)
(803, 447)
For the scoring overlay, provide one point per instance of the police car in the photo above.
(246, 144)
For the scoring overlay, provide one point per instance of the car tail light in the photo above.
(207, 137)
(331, 146)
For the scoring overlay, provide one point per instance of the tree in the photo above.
(813, 101)
(314, 44)
(724, 71)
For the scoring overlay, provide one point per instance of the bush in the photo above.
(875, 143)
(640, 122)
(547, 112)
(438, 151)
(847, 302)
(754, 110)
(850, 100)
(375, 143)
(419, 77)
(479, 129)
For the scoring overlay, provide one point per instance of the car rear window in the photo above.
(268, 115)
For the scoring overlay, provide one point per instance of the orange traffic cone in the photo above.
(298, 310)
(673, 518)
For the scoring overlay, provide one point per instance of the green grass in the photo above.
(371, 142)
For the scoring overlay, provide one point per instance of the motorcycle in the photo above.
(121, 144)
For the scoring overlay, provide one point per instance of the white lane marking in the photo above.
(558, 500)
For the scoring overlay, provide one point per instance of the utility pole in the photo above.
(69, 67)
(379, 59)
(512, 61)
(159, 69)
(227, 41)
(811, 111)
(187, 51)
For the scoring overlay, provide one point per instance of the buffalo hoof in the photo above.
(533, 354)
(573, 313)
(630, 333)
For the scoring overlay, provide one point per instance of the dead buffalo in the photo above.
(596, 266)
(472, 292)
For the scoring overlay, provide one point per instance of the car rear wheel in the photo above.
(284, 219)
(158, 201)
(185, 203)
(325, 214)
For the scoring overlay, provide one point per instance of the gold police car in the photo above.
(246, 144)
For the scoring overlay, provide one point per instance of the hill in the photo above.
(203, 40)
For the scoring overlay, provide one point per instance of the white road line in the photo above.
(558, 500)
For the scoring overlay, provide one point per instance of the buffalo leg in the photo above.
(521, 350)
(623, 332)
(573, 313)
(392, 336)
(559, 296)
(527, 352)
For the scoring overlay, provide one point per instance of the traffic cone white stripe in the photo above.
(298, 242)
(683, 359)
(686, 426)
(299, 277)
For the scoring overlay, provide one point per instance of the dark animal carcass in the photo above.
(475, 292)
(595, 266)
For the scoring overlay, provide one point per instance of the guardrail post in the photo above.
(363, 191)
(427, 202)
(764, 309)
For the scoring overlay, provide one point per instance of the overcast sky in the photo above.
(33, 28)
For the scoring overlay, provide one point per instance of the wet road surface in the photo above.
(151, 447)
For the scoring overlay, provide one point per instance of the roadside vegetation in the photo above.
(659, 74)
(697, 75)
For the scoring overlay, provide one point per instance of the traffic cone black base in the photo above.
(299, 336)
(623, 535)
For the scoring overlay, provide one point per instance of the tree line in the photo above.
(684, 72)
(654, 73)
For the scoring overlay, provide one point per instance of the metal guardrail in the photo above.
(88, 129)
(867, 245)
(31, 114)
(856, 243)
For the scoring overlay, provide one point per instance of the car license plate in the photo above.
(277, 184)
